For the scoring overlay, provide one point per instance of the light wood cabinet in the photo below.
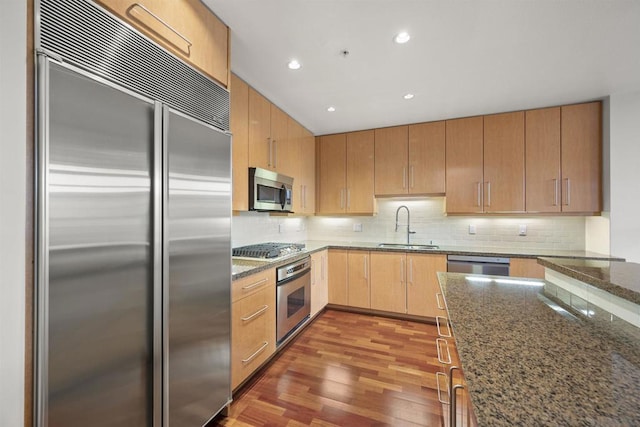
(564, 159)
(504, 163)
(526, 267)
(240, 130)
(253, 323)
(391, 157)
(302, 145)
(423, 284)
(389, 281)
(427, 158)
(346, 173)
(358, 279)
(464, 165)
(542, 156)
(186, 28)
(281, 150)
(260, 146)
(410, 159)
(338, 276)
(581, 143)
(319, 281)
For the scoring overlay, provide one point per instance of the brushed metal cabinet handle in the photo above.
(440, 306)
(269, 151)
(478, 191)
(254, 285)
(448, 334)
(275, 153)
(404, 177)
(438, 376)
(257, 313)
(441, 359)
(258, 351)
(488, 193)
(412, 176)
(555, 191)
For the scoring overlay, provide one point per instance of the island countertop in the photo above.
(529, 361)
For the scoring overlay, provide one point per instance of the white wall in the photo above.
(625, 175)
(12, 210)
(258, 227)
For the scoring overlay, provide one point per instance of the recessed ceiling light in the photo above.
(294, 64)
(331, 109)
(408, 96)
(402, 37)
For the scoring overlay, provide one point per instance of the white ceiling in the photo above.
(464, 57)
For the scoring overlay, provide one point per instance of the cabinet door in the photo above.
(338, 264)
(360, 172)
(582, 158)
(240, 131)
(319, 290)
(391, 154)
(307, 175)
(423, 285)
(281, 149)
(259, 131)
(388, 281)
(542, 154)
(207, 38)
(358, 279)
(504, 162)
(464, 165)
(253, 337)
(332, 173)
(426, 158)
(526, 267)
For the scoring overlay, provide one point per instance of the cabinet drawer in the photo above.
(253, 333)
(187, 28)
(249, 285)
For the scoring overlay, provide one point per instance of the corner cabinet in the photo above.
(253, 324)
(186, 28)
(410, 160)
(346, 173)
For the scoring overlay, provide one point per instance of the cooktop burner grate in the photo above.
(268, 250)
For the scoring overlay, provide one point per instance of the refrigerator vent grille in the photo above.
(88, 37)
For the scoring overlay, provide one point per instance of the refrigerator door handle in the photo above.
(158, 197)
(165, 265)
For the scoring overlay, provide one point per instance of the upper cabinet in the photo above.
(346, 173)
(464, 168)
(485, 164)
(410, 160)
(504, 162)
(186, 28)
(304, 200)
(564, 159)
(240, 131)
(581, 143)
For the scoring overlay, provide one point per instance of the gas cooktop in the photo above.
(268, 250)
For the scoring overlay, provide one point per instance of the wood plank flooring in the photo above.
(346, 369)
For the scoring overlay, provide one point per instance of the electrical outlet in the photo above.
(523, 230)
(472, 229)
(280, 228)
(357, 227)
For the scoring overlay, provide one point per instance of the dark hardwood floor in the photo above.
(346, 369)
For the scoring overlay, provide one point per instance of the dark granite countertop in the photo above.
(530, 362)
(242, 268)
(618, 278)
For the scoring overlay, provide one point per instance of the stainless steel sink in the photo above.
(405, 246)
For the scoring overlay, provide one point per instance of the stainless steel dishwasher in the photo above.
(497, 266)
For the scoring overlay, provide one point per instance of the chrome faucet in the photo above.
(409, 232)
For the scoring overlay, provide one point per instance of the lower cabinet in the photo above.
(319, 281)
(349, 278)
(253, 334)
(406, 282)
(526, 267)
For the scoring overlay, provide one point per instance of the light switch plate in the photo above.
(472, 229)
(357, 227)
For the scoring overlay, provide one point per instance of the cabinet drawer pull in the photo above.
(257, 313)
(488, 193)
(439, 342)
(446, 383)
(160, 20)
(568, 191)
(404, 177)
(254, 285)
(275, 153)
(448, 334)
(440, 306)
(479, 191)
(258, 351)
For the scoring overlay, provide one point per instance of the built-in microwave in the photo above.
(269, 191)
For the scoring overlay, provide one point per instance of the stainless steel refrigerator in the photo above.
(134, 257)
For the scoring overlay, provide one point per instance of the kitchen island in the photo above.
(528, 360)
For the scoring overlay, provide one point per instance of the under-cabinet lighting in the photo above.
(478, 279)
(519, 282)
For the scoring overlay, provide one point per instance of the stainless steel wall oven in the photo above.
(293, 302)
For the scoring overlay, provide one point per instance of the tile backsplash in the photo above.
(429, 222)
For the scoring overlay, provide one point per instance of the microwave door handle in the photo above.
(283, 196)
